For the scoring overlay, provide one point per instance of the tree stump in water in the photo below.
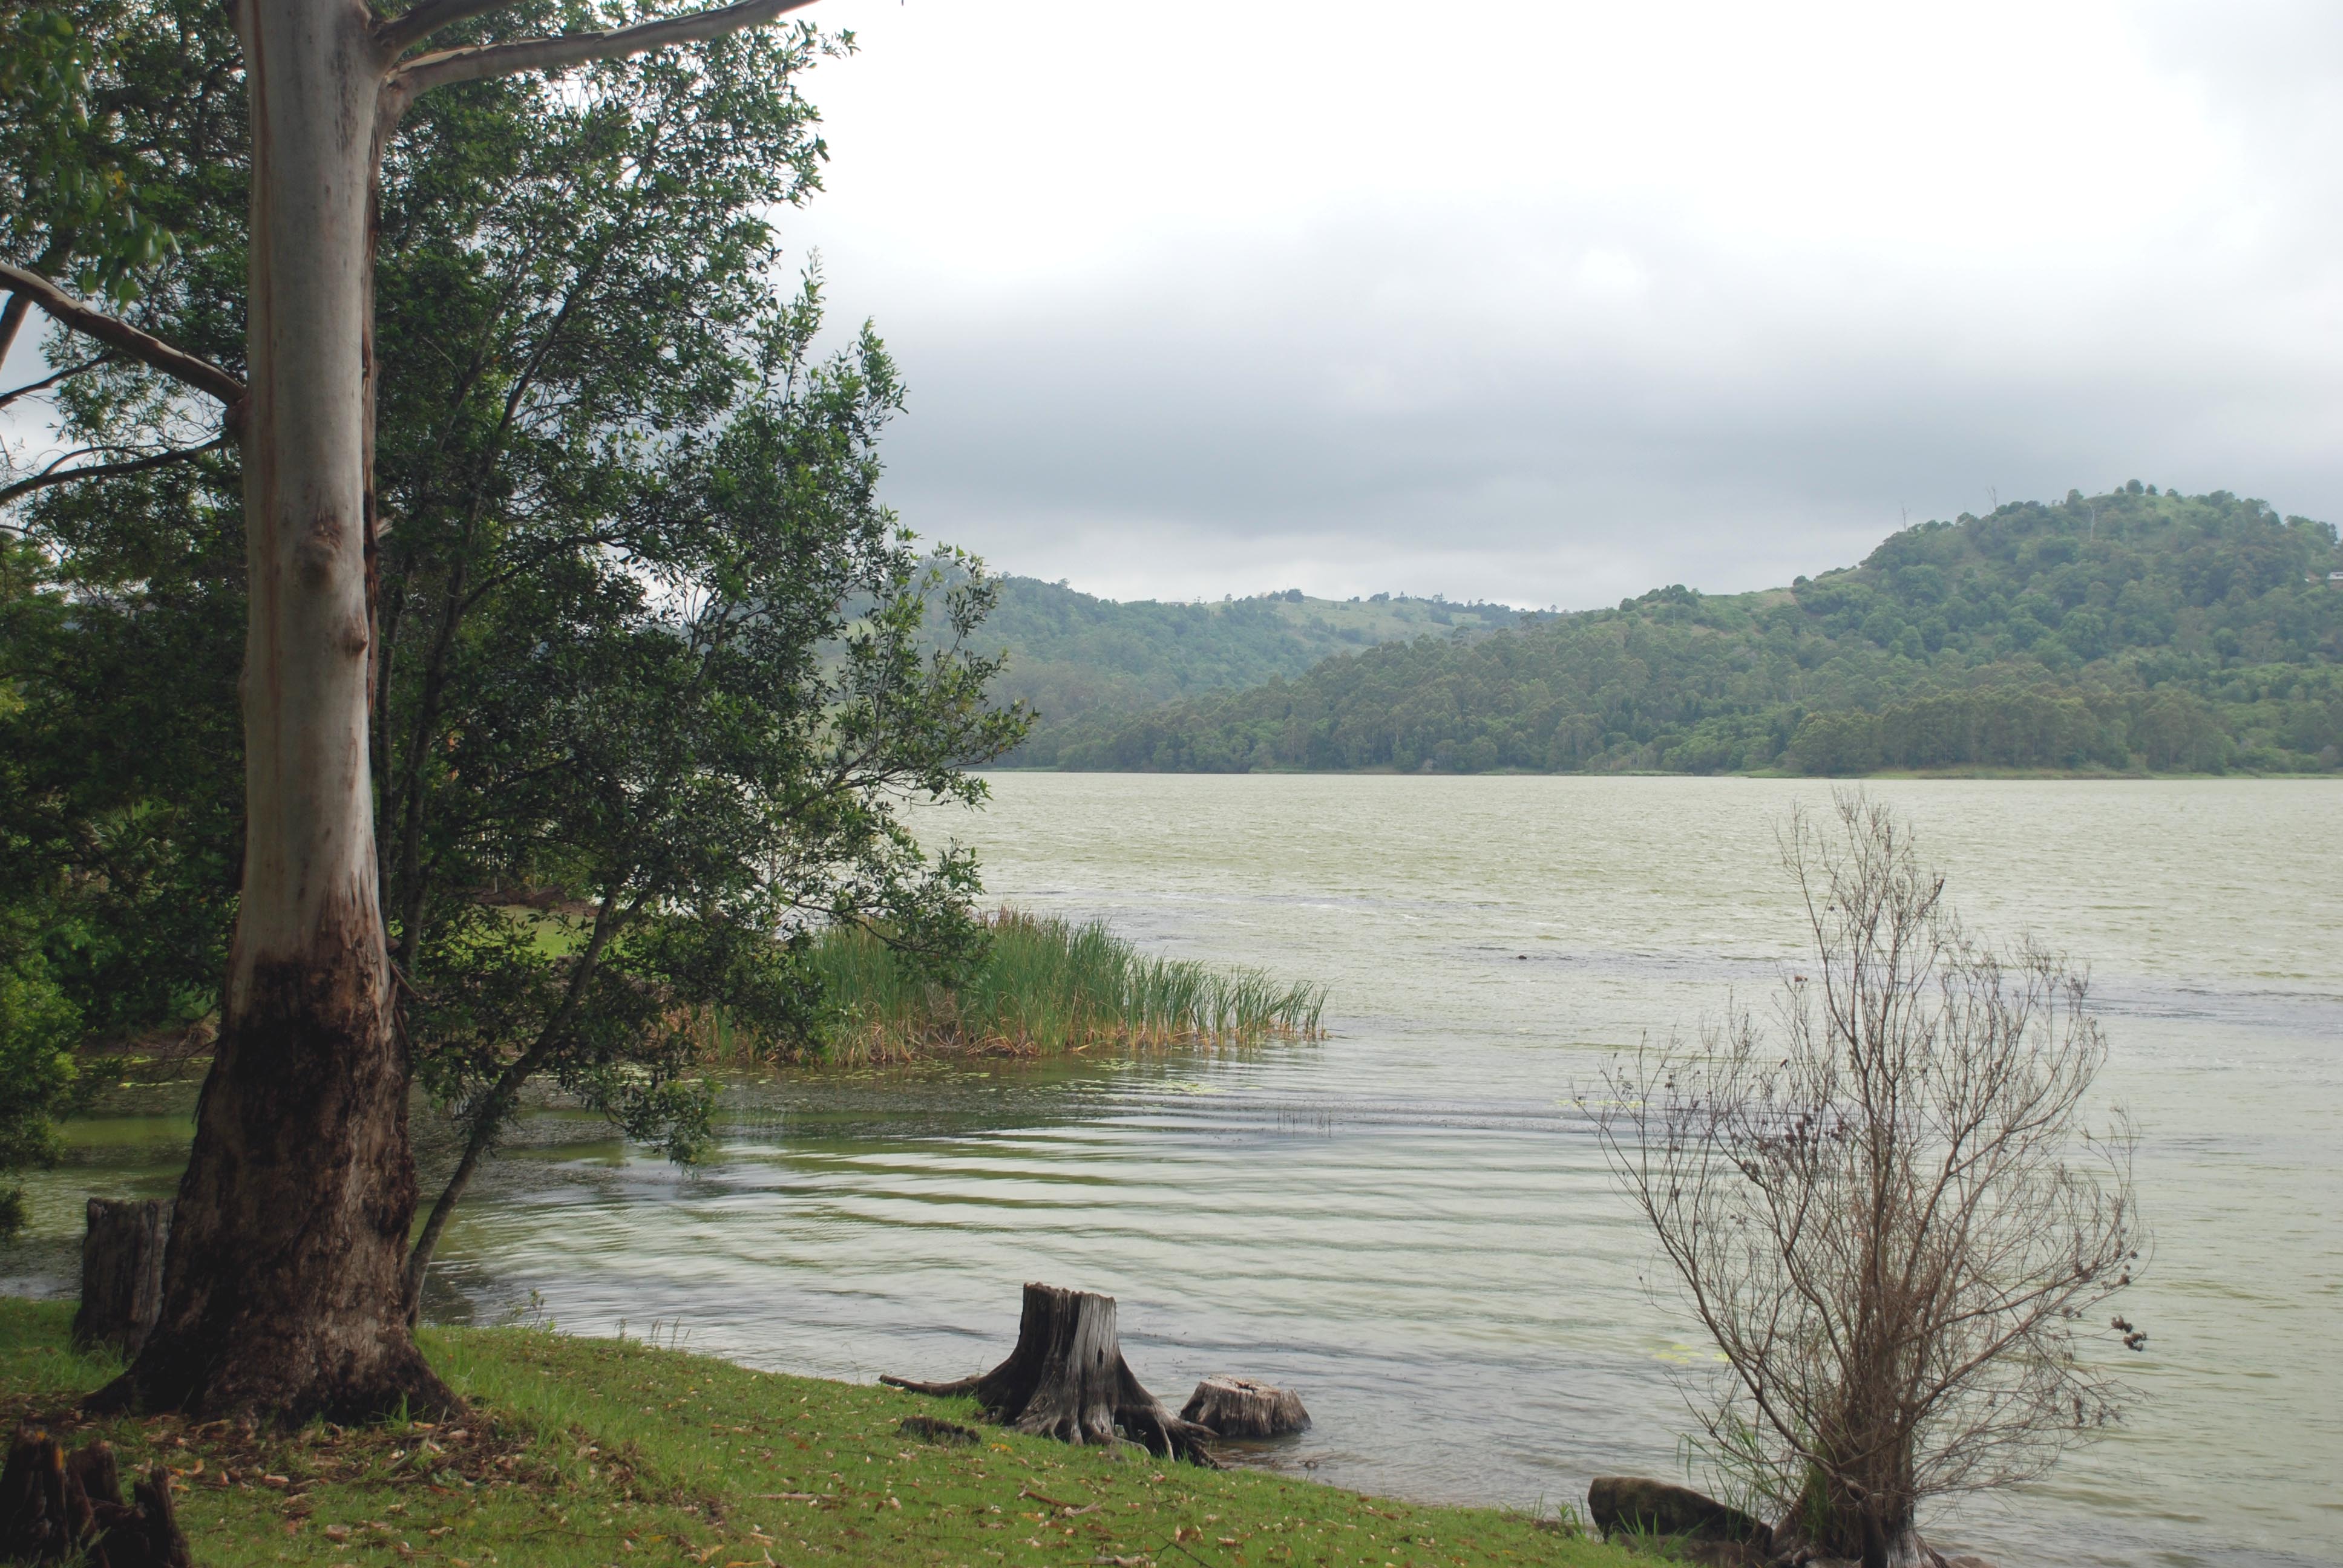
(1067, 1379)
(1240, 1407)
(56, 1506)
(121, 1273)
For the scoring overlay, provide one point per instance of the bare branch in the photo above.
(145, 347)
(419, 75)
(1890, 1216)
(397, 35)
(53, 476)
(45, 382)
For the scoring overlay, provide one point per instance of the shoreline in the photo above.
(2047, 775)
(580, 1451)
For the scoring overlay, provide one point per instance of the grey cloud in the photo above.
(1128, 452)
(1566, 395)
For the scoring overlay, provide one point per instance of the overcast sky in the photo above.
(1552, 303)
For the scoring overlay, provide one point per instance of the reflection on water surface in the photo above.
(1409, 1223)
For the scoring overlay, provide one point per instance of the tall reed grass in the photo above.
(1048, 985)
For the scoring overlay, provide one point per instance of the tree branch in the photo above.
(45, 382)
(149, 350)
(489, 1115)
(53, 476)
(12, 320)
(419, 75)
(397, 35)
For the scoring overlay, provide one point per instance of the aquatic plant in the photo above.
(1046, 985)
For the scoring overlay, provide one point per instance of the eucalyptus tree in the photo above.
(288, 1282)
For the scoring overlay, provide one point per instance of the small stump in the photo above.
(121, 1273)
(1241, 1407)
(56, 1506)
(1067, 1379)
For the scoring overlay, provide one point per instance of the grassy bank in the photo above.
(1048, 985)
(580, 1452)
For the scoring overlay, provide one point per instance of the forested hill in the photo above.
(2128, 631)
(1071, 654)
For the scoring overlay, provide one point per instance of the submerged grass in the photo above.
(1048, 985)
(580, 1452)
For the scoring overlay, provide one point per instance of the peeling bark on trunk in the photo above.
(1067, 1379)
(282, 1291)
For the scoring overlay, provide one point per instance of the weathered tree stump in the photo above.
(1241, 1407)
(1067, 1379)
(121, 1272)
(56, 1506)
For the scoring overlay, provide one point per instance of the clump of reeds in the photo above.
(1047, 985)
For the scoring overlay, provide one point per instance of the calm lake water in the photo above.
(1409, 1223)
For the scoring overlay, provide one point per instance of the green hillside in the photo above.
(1072, 654)
(2132, 632)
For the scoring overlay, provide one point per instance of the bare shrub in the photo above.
(1888, 1211)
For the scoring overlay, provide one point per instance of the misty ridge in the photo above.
(2137, 632)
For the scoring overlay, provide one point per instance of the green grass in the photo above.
(577, 1453)
(1049, 985)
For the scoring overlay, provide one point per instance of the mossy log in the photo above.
(121, 1273)
(57, 1506)
(1067, 1379)
(1241, 1407)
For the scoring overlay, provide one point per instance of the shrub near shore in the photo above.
(578, 1453)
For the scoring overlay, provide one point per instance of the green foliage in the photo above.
(649, 641)
(1071, 654)
(2134, 630)
(645, 643)
(120, 765)
(84, 195)
(59, 941)
(38, 1080)
(1044, 985)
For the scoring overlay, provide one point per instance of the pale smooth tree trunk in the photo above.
(283, 1282)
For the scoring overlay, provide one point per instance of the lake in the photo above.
(1409, 1221)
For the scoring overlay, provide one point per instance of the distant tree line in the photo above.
(1072, 654)
(2135, 630)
